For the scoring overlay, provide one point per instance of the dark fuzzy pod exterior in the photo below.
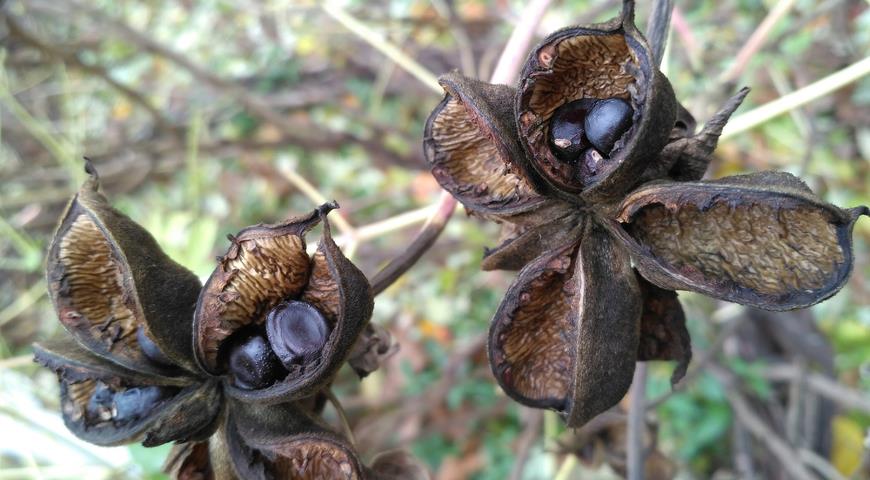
(342, 293)
(186, 409)
(622, 67)
(471, 145)
(281, 441)
(522, 244)
(761, 239)
(107, 276)
(566, 334)
(663, 333)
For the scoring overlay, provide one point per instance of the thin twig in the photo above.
(23, 302)
(657, 28)
(376, 40)
(531, 432)
(705, 357)
(842, 395)
(73, 59)
(515, 49)
(422, 242)
(463, 42)
(786, 456)
(255, 104)
(342, 417)
(756, 41)
(318, 198)
(635, 454)
(786, 103)
(566, 468)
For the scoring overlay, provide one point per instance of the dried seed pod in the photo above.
(565, 337)
(265, 265)
(281, 441)
(761, 239)
(470, 142)
(106, 404)
(663, 333)
(340, 292)
(297, 332)
(373, 346)
(398, 465)
(603, 61)
(108, 280)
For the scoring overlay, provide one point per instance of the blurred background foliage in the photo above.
(204, 116)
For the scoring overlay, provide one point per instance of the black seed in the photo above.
(252, 363)
(135, 403)
(567, 132)
(590, 163)
(607, 121)
(297, 332)
(150, 349)
(99, 406)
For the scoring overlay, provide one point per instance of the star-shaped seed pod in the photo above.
(151, 357)
(593, 170)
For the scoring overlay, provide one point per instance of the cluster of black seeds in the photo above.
(292, 339)
(583, 132)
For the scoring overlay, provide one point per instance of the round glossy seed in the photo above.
(567, 131)
(252, 363)
(297, 332)
(607, 121)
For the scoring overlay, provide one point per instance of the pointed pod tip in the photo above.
(856, 212)
(628, 11)
(93, 181)
(327, 207)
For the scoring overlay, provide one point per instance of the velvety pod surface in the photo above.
(470, 143)
(742, 239)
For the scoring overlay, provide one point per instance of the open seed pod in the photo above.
(663, 333)
(565, 337)
(264, 276)
(470, 142)
(265, 265)
(592, 109)
(281, 441)
(761, 239)
(116, 291)
(106, 404)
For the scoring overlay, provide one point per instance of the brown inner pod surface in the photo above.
(309, 458)
(532, 346)
(91, 293)
(582, 66)
(468, 153)
(771, 250)
(255, 275)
